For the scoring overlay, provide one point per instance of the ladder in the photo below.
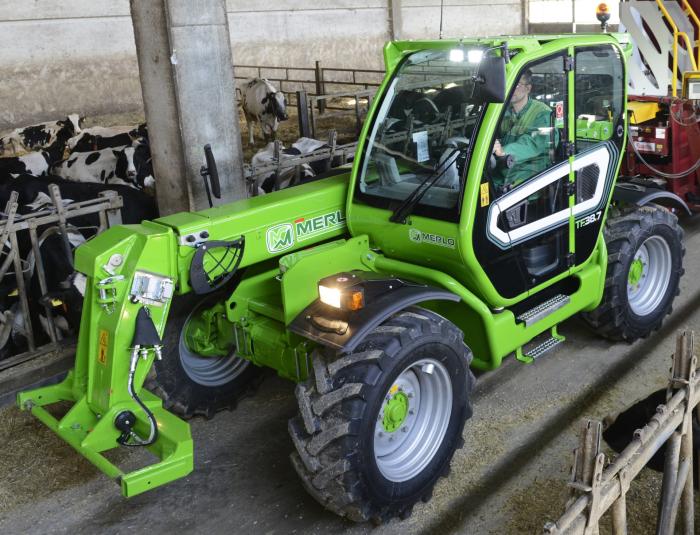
(660, 31)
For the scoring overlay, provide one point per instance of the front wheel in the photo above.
(191, 383)
(379, 426)
(645, 264)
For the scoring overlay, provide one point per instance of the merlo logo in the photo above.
(279, 238)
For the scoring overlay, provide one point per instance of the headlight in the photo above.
(342, 292)
(330, 296)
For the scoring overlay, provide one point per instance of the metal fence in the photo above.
(285, 166)
(316, 80)
(58, 217)
(319, 91)
(597, 486)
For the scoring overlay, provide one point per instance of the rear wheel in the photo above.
(379, 426)
(189, 382)
(645, 264)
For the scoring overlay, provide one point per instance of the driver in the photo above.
(524, 133)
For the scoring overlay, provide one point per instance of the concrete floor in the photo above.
(510, 477)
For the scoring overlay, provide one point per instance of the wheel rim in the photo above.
(413, 420)
(209, 371)
(649, 276)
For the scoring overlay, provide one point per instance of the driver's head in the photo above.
(522, 90)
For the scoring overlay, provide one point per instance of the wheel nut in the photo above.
(404, 429)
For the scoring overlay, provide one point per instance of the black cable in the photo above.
(153, 436)
(692, 169)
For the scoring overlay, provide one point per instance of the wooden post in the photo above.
(303, 114)
(320, 89)
(332, 141)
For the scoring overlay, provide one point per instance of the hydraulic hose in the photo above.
(692, 168)
(145, 337)
(153, 435)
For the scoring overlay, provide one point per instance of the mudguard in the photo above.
(640, 195)
(345, 330)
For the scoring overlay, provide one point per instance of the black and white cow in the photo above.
(64, 286)
(308, 145)
(263, 103)
(52, 134)
(33, 163)
(275, 181)
(137, 204)
(100, 137)
(130, 166)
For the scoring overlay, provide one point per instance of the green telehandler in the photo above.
(478, 214)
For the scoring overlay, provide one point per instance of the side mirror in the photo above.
(210, 171)
(492, 79)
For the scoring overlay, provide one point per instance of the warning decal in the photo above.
(103, 343)
(485, 194)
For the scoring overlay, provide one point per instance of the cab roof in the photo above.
(395, 50)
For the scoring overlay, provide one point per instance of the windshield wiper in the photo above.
(404, 209)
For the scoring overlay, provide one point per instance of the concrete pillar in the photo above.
(186, 71)
(394, 9)
(525, 17)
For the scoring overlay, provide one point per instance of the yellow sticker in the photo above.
(104, 342)
(485, 194)
(394, 389)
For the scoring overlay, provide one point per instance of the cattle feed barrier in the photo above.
(597, 486)
(255, 174)
(342, 153)
(57, 216)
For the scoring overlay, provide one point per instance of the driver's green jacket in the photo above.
(526, 135)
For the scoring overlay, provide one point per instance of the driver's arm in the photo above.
(532, 143)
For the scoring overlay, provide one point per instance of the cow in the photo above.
(619, 430)
(126, 166)
(263, 104)
(307, 146)
(65, 288)
(33, 163)
(286, 177)
(53, 134)
(33, 195)
(99, 137)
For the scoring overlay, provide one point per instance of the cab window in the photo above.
(422, 134)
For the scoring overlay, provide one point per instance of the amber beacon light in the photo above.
(602, 13)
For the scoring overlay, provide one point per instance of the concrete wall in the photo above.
(62, 57)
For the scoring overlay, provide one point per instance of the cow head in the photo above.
(125, 168)
(76, 122)
(276, 105)
(134, 165)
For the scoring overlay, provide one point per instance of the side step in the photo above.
(550, 343)
(543, 310)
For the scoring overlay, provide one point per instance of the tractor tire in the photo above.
(645, 264)
(193, 385)
(379, 426)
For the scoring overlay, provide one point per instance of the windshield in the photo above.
(424, 128)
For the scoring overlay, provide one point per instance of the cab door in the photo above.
(599, 97)
(523, 224)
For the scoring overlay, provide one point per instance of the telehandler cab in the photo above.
(476, 217)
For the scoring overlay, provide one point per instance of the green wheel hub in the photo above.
(395, 412)
(636, 271)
